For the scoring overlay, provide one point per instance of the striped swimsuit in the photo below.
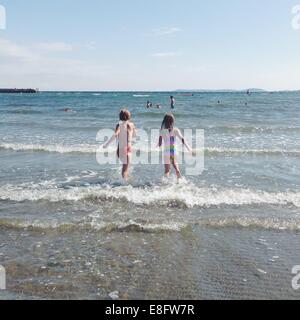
(169, 139)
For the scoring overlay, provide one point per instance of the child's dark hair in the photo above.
(125, 115)
(168, 122)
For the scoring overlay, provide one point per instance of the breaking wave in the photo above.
(88, 149)
(173, 195)
(117, 226)
(252, 151)
(153, 227)
(253, 222)
(48, 148)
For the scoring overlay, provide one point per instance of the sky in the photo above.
(144, 45)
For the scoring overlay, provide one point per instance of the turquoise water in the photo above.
(71, 229)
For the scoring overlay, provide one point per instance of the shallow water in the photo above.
(71, 229)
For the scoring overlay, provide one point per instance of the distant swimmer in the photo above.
(248, 92)
(149, 105)
(68, 110)
(158, 106)
(219, 101)
(172, 102)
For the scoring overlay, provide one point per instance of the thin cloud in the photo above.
(57, 47)
(91, 46)
(165, 54)
(27, 65)
(14, 52)
(166, 31)
(54, 46)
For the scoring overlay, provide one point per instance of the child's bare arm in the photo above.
(184, 142)
(160, 141)
(114, 136)
(134, 130)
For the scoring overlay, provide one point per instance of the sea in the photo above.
(70, 228)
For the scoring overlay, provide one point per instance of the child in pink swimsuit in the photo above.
(168, 135)
(125, 131)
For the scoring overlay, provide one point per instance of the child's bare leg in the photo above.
(125, 171)
(176, 167)
(167, 170)
(125, 168)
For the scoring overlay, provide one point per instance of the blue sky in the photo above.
(149, 45)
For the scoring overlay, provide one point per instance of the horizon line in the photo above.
(179, 90)
(254, 90)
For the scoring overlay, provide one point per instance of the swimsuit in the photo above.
(169, 138)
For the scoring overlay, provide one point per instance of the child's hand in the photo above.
(105, 146)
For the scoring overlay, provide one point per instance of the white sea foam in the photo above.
(122, 226)
(252, 222)
(88, 148)
(155, 226)
(83, 148)
(185, 194)
(212, 150)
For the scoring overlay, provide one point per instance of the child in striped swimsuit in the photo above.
(168, 135)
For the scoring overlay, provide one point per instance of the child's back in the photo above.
(168, 136)
(124, 134)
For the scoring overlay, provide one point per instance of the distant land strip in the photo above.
(19, 90)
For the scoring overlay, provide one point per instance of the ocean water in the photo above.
(70, 229)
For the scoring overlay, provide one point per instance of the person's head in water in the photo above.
(125, 115)
(168, 122)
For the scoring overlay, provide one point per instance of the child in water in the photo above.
(168, 135)
(125, 132)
